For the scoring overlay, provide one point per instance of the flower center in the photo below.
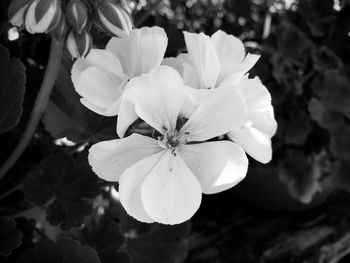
(170, 140)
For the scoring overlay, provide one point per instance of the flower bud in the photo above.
(78, 44)
(77, 15)
(61, 29)
(16, 11)
(43, 15)
(113, 18)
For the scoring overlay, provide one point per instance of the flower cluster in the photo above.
(71, 20)
(188, 102)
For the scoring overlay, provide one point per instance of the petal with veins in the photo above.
(217, 166)
(109, 159)
(171, 194)
(158, 97)
(204, 58)
(216, 116)
(130, 187)
(254, 142)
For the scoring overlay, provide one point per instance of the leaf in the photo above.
(153, 242)
(10, 238)
(162, 244)
(297, 128)
(334, 91)
(12, 83)
(341, 175)
(65, 116)
(301, 174)
(340, 143)
(331, 121)
(293, 44)
(325, 59)
(106, 237)
(63, 186)
(62, 251)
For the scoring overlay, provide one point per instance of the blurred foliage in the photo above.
(63, 210)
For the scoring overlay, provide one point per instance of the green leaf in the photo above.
(334, 91)
(325, 58)
(12, 83)
(63, 187)
(329, 120)
(293, 44)
(62, 251)
(301, 174)
(65, 116)
(340, 143)
(106, 237)
(152, 242)
(10, 238)
(297, 128)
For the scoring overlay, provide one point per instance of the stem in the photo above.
(10, 191)
(42, 98)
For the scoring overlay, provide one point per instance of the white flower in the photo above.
(161, 179)
(100, 78)
(217, 63)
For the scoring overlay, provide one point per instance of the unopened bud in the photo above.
(113, 18)
(61, 29)
(78, 44)
(77, 15)
(16, 11)
(43, 16)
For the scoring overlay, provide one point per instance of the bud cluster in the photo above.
(71, 20)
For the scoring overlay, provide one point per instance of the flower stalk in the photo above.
(53, 65)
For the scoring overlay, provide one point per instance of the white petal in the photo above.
(119, 47)
(174, 63)
(109, 112)
(216, 116)
(98, 87)
(230, 51)
(109, 159)
(218, 166)
(102, 59)
(170, 193)
(248, 62)
(264, 120)
(204, 58)
(254, 142)
(127, 115)
(158, 97)
(255, 94)
(130, 187)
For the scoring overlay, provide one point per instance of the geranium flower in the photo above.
(219, 62)
(161, 179)
(100, 78)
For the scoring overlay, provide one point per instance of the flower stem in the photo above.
(53, 65)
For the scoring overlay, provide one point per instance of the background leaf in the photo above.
(64, 250)
(64, 188)
(12, 83)
(10, 238)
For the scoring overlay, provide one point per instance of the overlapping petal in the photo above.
(109, 159)
(216, 116)
(158, 97)
(141, 51)
(170, 193)
(254, 142)
(99, 89)
(130, 187)
(203, 58)
(218, 166)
